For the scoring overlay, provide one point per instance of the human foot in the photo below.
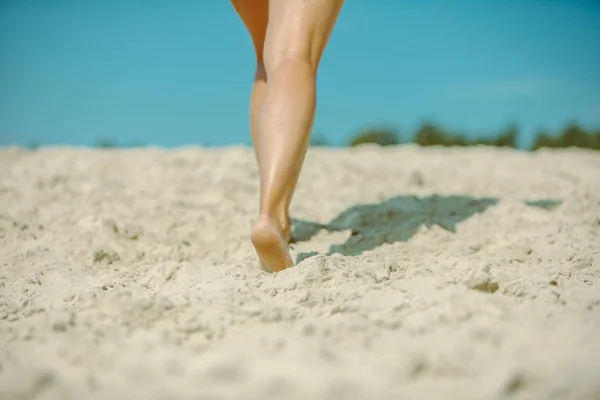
(271, 245)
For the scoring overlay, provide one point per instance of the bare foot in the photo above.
(271, 245)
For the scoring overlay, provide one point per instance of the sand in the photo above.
(425, 273)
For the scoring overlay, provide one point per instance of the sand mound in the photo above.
(426, 273)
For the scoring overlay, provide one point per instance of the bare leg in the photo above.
(298, 31)
(255, 15)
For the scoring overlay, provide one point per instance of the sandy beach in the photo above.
(423, 273)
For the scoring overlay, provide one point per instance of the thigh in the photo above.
(299, 29)
(255, 16)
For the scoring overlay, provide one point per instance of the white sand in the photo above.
(127, 274)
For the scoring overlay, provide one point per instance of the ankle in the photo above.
(269, 217)
(281, 220)
(285, 221)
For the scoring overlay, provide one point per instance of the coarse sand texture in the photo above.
(422, 273)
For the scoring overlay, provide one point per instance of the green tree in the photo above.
(106, 143)
(575, 136)
(508, 137)
(544, 139)
(430, 134)
(572, 136)
(380, 136)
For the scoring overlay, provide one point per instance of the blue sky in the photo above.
(179, 72)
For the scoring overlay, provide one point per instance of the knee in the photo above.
(297, 59)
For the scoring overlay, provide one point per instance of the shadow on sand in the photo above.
(397, 219)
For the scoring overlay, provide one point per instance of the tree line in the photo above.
(430, 134)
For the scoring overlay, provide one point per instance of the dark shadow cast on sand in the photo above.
(397, 220)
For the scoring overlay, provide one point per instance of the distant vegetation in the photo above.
(573, 135)
(108, 143)
(430, 134)
(380, 136)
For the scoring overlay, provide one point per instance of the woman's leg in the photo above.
(255, 15)
(297, 33)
